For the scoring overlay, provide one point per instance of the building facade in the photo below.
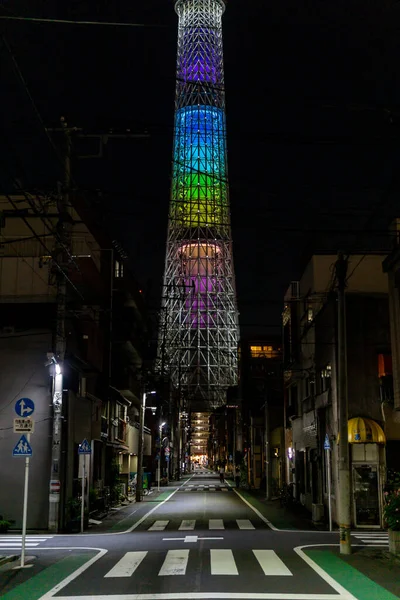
(311, 402)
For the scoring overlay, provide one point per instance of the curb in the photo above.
(6, 559)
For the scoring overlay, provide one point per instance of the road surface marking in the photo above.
(270, 563)
(187, 525)
(190, 538)
(256, 511)
(224, 489)
(127, 565)
(95, 521)
(18, 544)
(158, 526)
(216, 524)
(212, 489)
(244, 524)
(223, 563)
(175, 563)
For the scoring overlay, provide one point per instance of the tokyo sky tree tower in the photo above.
(199, 325)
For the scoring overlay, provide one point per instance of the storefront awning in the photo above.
(365, 431)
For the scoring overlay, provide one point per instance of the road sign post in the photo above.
(24, 407)
(84, 449)
(327, 448)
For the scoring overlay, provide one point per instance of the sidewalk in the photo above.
(369, 573)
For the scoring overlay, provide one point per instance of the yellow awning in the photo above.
(364, 431)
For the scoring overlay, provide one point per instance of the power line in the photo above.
(73, 22)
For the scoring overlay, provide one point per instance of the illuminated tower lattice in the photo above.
(199, 325)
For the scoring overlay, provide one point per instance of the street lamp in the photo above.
(139, 480)
(159, 457)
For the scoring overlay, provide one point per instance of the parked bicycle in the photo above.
(286, 497)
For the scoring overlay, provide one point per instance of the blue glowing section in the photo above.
(200, 140)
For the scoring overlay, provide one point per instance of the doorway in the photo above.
(366, 497)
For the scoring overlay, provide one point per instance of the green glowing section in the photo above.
(199, 188)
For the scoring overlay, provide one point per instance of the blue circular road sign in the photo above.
(24, 407)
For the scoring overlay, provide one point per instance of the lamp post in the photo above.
(139, 482)
(159, 457)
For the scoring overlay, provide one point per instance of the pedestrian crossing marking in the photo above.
(224, 490)
(223, 563)
(127, 565)
(270, 563)
(212, 490)
(216, 524)
(187, 525)
(244, 524)
(158, 526)
(175, 563)
(18, 544)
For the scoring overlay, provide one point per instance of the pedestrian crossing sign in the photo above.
(84, 447)
(23, 447)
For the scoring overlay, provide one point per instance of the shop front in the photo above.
(367, 444)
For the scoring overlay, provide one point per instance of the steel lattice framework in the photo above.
(199, 329)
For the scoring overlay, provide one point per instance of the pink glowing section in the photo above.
(200, 267)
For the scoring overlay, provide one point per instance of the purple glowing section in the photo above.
(200, 62)
(200, 265)
(202, 301)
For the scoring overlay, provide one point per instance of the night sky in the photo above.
(313, 119)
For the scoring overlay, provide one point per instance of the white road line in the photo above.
(158, 526)
(187, 525)
(344, 594)
(257, 511)
(376, 542)
(18, 544)
(212, 596)
(216, 524)
(127, 565)
(245, 524)
(175, 563)
(223, 563)
(270, 563)
(28, 537)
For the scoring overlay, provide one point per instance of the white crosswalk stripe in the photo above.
(175, 563)
(244, 524)
(216, 524)
(187, 525)
(222, 562)
(15, 541)
(270, 563)
(127, 565)
(158, 526)
(379, 538)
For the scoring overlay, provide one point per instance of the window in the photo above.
(264, 352)
(325, 378)
(118, 269)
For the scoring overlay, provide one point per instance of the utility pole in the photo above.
(344, 467)
(139, 480)
(63, 238)
(267, 450)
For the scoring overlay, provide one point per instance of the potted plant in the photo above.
(4, 524)
(391, 513)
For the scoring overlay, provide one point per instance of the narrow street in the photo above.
(204, 541)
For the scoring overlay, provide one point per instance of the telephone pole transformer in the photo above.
(199, 328)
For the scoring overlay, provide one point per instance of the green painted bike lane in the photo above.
(355, 582)
(37, 585)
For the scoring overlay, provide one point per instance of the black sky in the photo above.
(313, 123)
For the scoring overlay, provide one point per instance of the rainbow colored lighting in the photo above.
(199, 177)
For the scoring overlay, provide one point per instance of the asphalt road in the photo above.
(205, 541)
